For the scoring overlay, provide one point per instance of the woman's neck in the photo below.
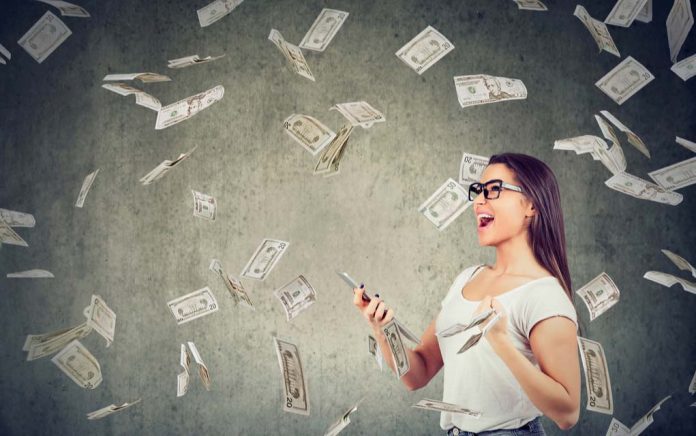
(514, 257)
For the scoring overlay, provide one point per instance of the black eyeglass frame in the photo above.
(483, 187)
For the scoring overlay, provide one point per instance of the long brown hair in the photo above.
(546, 232)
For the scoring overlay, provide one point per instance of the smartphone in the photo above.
(346, 278)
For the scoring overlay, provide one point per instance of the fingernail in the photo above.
(362, 285)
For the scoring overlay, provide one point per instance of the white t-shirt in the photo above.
(478, 379)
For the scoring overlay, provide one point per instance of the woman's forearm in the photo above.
(416, 375)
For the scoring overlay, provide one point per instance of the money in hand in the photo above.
(294, 380)
(309, 132)
(296, 296)
(396, 345)
(204, 205)
(424, 50)
(480, 89)
(598, 30)
(194, 305)
(188, 107)
(446, 204)
(439, 406)
(44, 37)
(599, 294)
(264, 259)
(101, 318)
(597, 381)
(323, 29)
(624, 80)
(79, 364)
(160, 170)
(86, 184)
(110, 409)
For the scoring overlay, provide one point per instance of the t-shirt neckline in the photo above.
(500, 295)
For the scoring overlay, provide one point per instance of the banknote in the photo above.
(4, 52)
(689, 145)
(668, 280)
(607, 130)
(86, 184)
(188, 61)
(633, 139)
(676, 176)
(309, 132)
(38, 346)
(44, 37)
(31, 274)
(396, 345)
(581, 144)
(335, 161)
(101, 319)
(617, 428)
(342, 422)
(188, 107)
(360, 113)
(680, 262)
(17, 219)
(424, 50)
(202, 368)
(685, 68)
(376, 352)
(292, 53)
(332, 154)
(163, 168)
(296, 296)
(624, 80)
(204, 205)
(9, 236)
(212, 12)
(636, 187)
(599, 295)
(323, 30)
(294, 380)
(67, 9)
(142, 98)
(646, 14)
(624, 12)
(111, 409)
(613, 158)
(598, 30)
(531, 5)
(471, 168)
(264, 259)
(479, 89)
(439, 406)
(646, 419)
(692, 385)
(79, 364)
(182, 379)
(679, 23)
(446, 204)
(194, 305)
(597, 382)
(233, 285)
(143, 77)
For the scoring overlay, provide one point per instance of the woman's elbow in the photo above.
(568, 421)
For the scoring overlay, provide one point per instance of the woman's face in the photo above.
(508, 210)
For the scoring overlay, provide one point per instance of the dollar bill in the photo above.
(163, 168)
(188, 107)
(264, 259)
(294, 380)
(679, 23)
(79, 364)
(685, 68)
(360, 113)
(396, 345)
(689, 145)
(471, 168)
(607, 130)
(111, 409)
(668, 280)
(67, 9)
(296, 296)
(182, 379)
(424, 50)
(44, 37)
(323, 30)
(31, 274)
(342, 422)
(331, 155)
(446, 204)
(101, 318)
(624, 12)
(204, 205)
(142, 98)
(676, 176)
(617, 428)
(624, 80)
(143, 77)
(680, 262)
(189, 61)
(479, 89)
(38, 346)
(233, 285)
(646, 14)
(633, 139)
(4, 52)
(531, 5)
(309, 132)
(439, 406)
(9, 236)
(646, 419)
(17, 219)
(581, 145)
(692, 385)
(193, 306)
(86, 185)
(599, 295)
(636, 187)
(598, 30)
(292, 53)
(613, 158)
(202, 368)
(212, 12)
(376, 352)
(597, 381)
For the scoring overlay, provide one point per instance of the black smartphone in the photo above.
(346, 278)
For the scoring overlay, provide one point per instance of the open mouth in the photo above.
(485, 221)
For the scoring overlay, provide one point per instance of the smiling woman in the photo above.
(528, 365)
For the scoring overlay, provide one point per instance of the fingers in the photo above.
(379, 312)
(357, 296)
(388, 317)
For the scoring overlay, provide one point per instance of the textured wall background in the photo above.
(139, 246)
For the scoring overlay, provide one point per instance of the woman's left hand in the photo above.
(499, 330)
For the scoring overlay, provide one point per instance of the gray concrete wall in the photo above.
(139, 246)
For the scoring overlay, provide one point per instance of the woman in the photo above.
(527, 365)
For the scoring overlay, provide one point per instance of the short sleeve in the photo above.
(544, 302)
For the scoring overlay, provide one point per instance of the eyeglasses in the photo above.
(491, 189)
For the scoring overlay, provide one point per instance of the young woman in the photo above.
(528, 363)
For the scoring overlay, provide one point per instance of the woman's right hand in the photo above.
(375, 312)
